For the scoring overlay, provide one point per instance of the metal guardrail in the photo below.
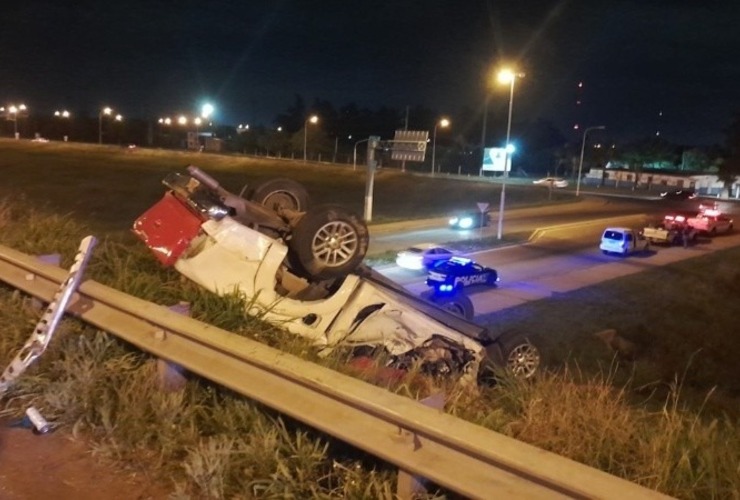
(465, 458)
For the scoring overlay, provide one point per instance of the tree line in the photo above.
(341, 133)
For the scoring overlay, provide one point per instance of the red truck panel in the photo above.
(167, 228)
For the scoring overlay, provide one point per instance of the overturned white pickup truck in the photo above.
(302, 269)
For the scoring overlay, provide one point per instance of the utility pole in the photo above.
(483, 134)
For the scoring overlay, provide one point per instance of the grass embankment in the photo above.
(641, 419)
(110, 187)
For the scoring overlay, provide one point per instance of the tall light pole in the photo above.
(483, 132)
(197, 121)
(64, 115)
(118, 118)
(163, 122)
(104, 111)
(15, 110)
(580, 163)
(506, 76)
(444, 122)
(206, 111)
(311, 119)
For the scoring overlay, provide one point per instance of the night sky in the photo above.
(636, 59)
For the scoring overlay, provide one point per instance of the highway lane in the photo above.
(592, 206)
(402, 235)
(562, 257)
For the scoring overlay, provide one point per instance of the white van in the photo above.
(623, 240)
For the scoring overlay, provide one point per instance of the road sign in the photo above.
(482, 207)
(409, 145)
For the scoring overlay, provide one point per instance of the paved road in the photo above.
(560, 258)
(396, 236)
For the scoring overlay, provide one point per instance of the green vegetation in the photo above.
(667, 418)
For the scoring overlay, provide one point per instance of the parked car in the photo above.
(681, 194)
(459, 272)
(623, 241)
(551, 182)
(422, 256)
(470, 219)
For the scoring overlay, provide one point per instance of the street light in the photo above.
(14, 110)
(65, 115)
(506, 76)
(580, 163)
(444, 122)
(354, 154)
(104, 111)
(206, 110)
(312, 119)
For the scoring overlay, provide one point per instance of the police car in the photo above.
(459, 272)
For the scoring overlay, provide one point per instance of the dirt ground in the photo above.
(56, 466)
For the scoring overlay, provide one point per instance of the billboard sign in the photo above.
(494, 158)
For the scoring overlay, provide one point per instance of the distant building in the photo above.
(706, 184)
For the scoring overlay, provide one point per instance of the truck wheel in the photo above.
(278, 194)
(329, 242)
(457, 303)
(521, 357)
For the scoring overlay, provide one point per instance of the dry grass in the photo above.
(589, 419)
(109, 187)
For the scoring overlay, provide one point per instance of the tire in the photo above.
(329, 242)
(605, 252)
(521, 357)
(278, 194)
(457, 303)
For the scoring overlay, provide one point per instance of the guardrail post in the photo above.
(409, 486)
(171, 376)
